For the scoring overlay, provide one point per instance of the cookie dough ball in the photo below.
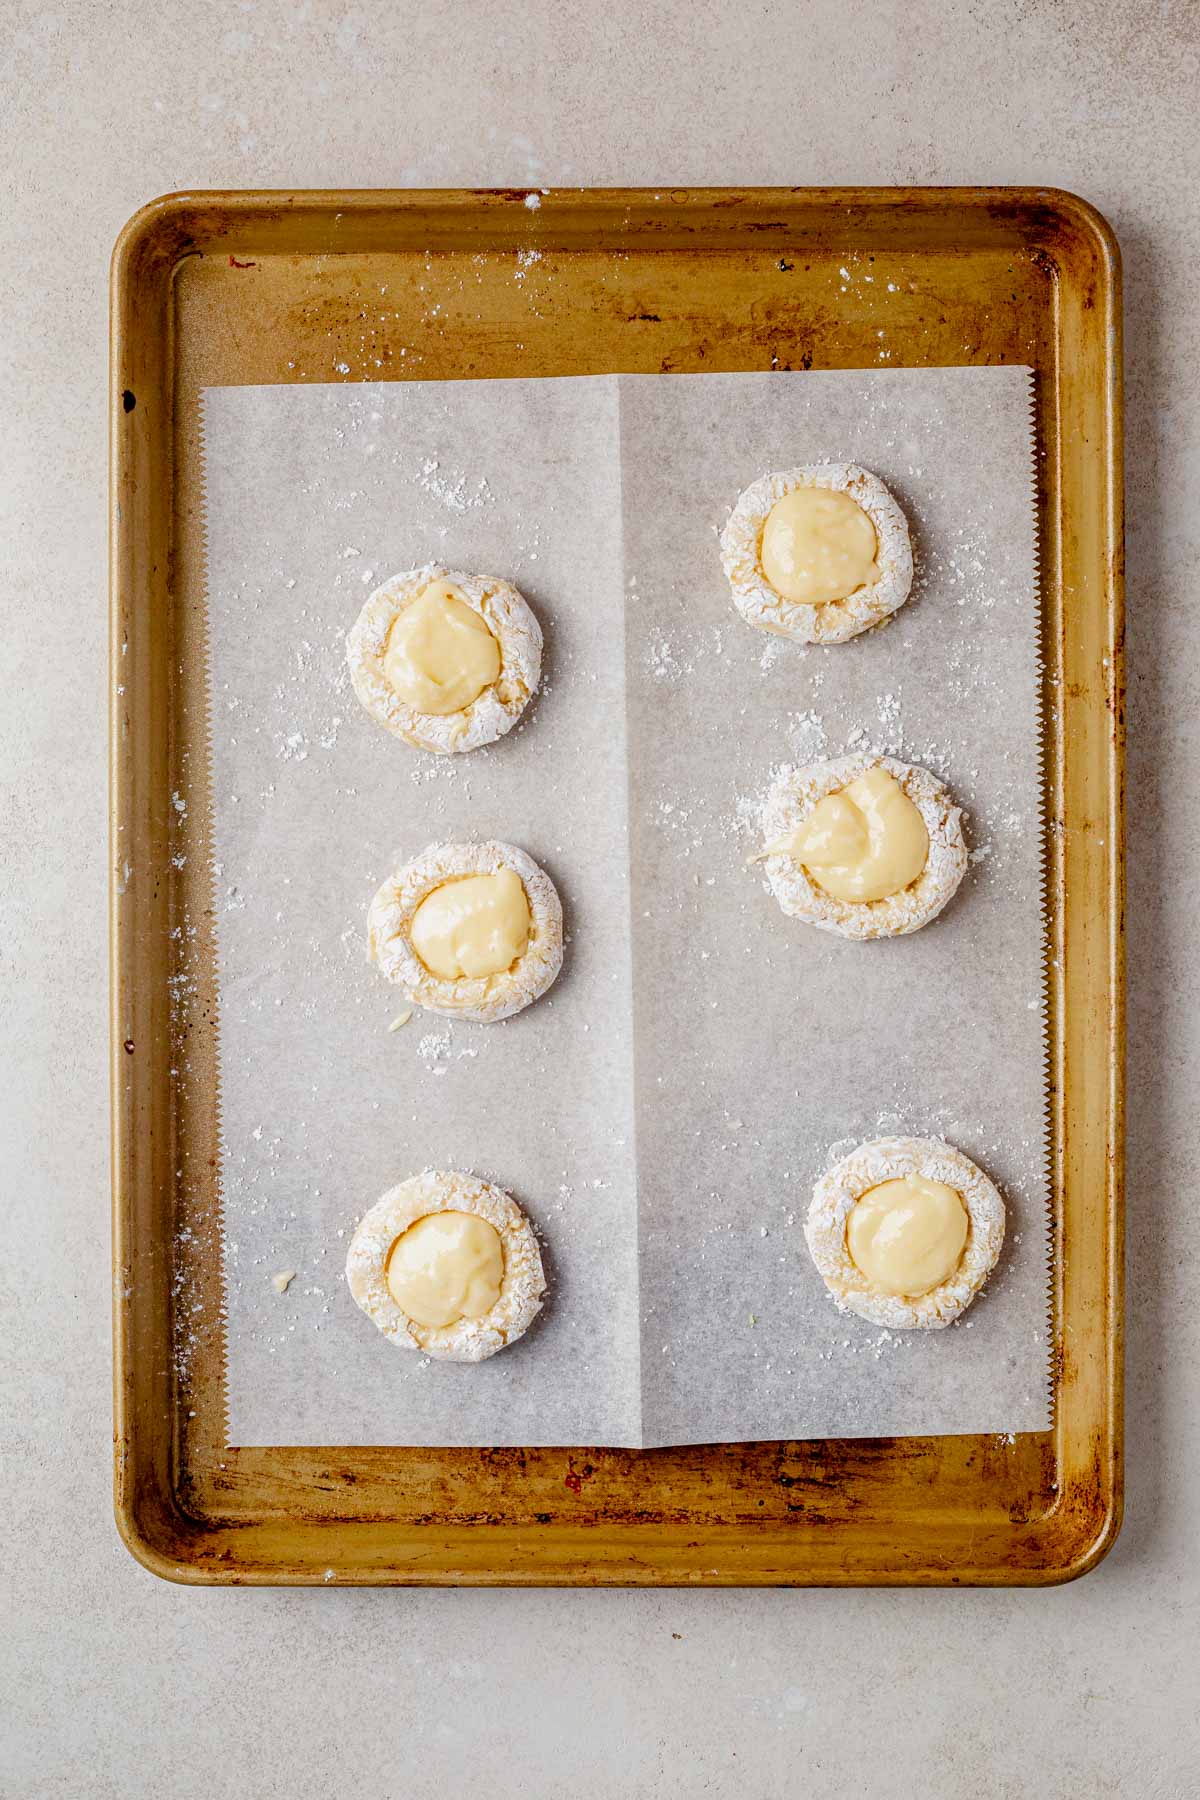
(905, 1231)
(817, 553)
(449, 1265)
(444, 660)
(473, 931)
(865, 846)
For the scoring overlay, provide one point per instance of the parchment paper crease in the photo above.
(663, 1112)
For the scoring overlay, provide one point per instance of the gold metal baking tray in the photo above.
(275, 287)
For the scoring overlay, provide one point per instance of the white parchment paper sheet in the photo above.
(663, 1112)
(314, 496)
(761, 1043)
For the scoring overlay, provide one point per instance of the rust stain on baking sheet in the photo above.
(575, 1478)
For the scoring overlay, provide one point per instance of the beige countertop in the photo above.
(116, 1684)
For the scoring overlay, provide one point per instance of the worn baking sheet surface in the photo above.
(663, 1113)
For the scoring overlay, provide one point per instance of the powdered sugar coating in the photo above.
(891, 1159)
(836, 620)
(466, 1340)
(496, 710)
(482, 997)
(793, 795)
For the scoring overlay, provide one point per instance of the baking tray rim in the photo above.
(149, 1523)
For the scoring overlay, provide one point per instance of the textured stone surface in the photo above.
(116, 1684)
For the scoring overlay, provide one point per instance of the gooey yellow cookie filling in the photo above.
(440, 654)
(475, 926)
(818, 545)
(446, 1267)
(865, 842)
(907, 1236)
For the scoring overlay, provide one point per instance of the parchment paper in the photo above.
(663, 1112)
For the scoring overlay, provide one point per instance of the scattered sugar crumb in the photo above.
(454, 491)
(806, 736)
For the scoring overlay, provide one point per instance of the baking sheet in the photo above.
(663, 1112)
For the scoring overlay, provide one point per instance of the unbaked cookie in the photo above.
(862, 845)
(447, 1264)
(905, 1231)
(473, 931)
(818, 553)
(444, 660)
